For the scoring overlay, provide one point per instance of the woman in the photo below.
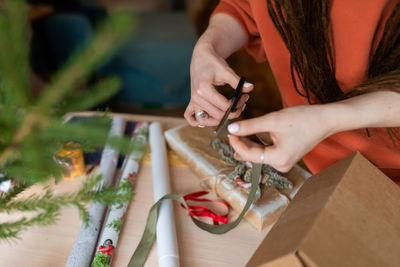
(337, 64)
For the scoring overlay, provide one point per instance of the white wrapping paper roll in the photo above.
(85, 242)
(167, 246)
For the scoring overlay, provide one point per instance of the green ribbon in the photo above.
(142, 251)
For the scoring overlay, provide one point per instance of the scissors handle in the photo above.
(222, 126)
(237, 94)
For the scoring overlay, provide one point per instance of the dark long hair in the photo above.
(304, 26)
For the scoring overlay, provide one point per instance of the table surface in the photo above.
(51, 245)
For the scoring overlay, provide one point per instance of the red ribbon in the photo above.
(203, 211)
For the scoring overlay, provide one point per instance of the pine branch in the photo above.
(83, 213)
(89, 183)
(33, 132)
(10, 230)
(107, 196)
(15, 190)
(91, 96)
(14, 50)
(25, 129)
(114, 31)
(49, 205)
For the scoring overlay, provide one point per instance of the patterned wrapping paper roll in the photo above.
(85, 242)
(167, 245)
(112, 224)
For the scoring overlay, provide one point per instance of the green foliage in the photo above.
(101, 260)
(48, 205)
(32, 129)
(116, 224)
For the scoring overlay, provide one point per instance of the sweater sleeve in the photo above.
(241, 11)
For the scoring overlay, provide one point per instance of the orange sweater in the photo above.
(357, 27)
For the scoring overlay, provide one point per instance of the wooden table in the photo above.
(51, 245)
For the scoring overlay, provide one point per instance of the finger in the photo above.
(251, 151)
(230, 77)
(210, 94)
(270, 155)
(237, 156)
(246, 149)
(250, 143)
(212, 111)
(237, 113)
(189, 112)
(201, 121)
(251, 126)
(240, 107)
(210, 121)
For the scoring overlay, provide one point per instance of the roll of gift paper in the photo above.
(167, 246)
(112, 224)
(85, 242)
(142, 250)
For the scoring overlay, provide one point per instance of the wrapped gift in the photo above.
(193, 146)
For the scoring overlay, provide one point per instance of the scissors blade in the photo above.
(221, 129)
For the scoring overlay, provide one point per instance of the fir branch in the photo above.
(14, 191)
(111, 196)
(89, 183)
(91, 96)
(25, 129)
(107, 195)
(124, 144)
(90, 133)
(32, 132)
(10, 230)
(14, 50)
(125, 185)
(83, 213)
(49, 205)
(114, 31)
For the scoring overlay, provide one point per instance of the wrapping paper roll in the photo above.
(167, 246)
(85, 242)
(110, 234)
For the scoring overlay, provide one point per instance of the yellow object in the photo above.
(173, 159)
(71, 158)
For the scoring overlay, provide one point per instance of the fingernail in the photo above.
(201, 126)
(246, 84)
(247, 98)
(244, 106)
(233, 128)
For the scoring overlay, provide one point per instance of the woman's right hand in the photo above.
(208, 69)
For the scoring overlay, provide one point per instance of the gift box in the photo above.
(347, 215)
(192, 144)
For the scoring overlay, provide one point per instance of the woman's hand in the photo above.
(294, 132)
(209, 68)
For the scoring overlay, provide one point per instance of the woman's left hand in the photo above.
(294, 132)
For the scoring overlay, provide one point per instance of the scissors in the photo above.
(221, 129)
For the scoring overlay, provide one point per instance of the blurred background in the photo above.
(153, 65)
